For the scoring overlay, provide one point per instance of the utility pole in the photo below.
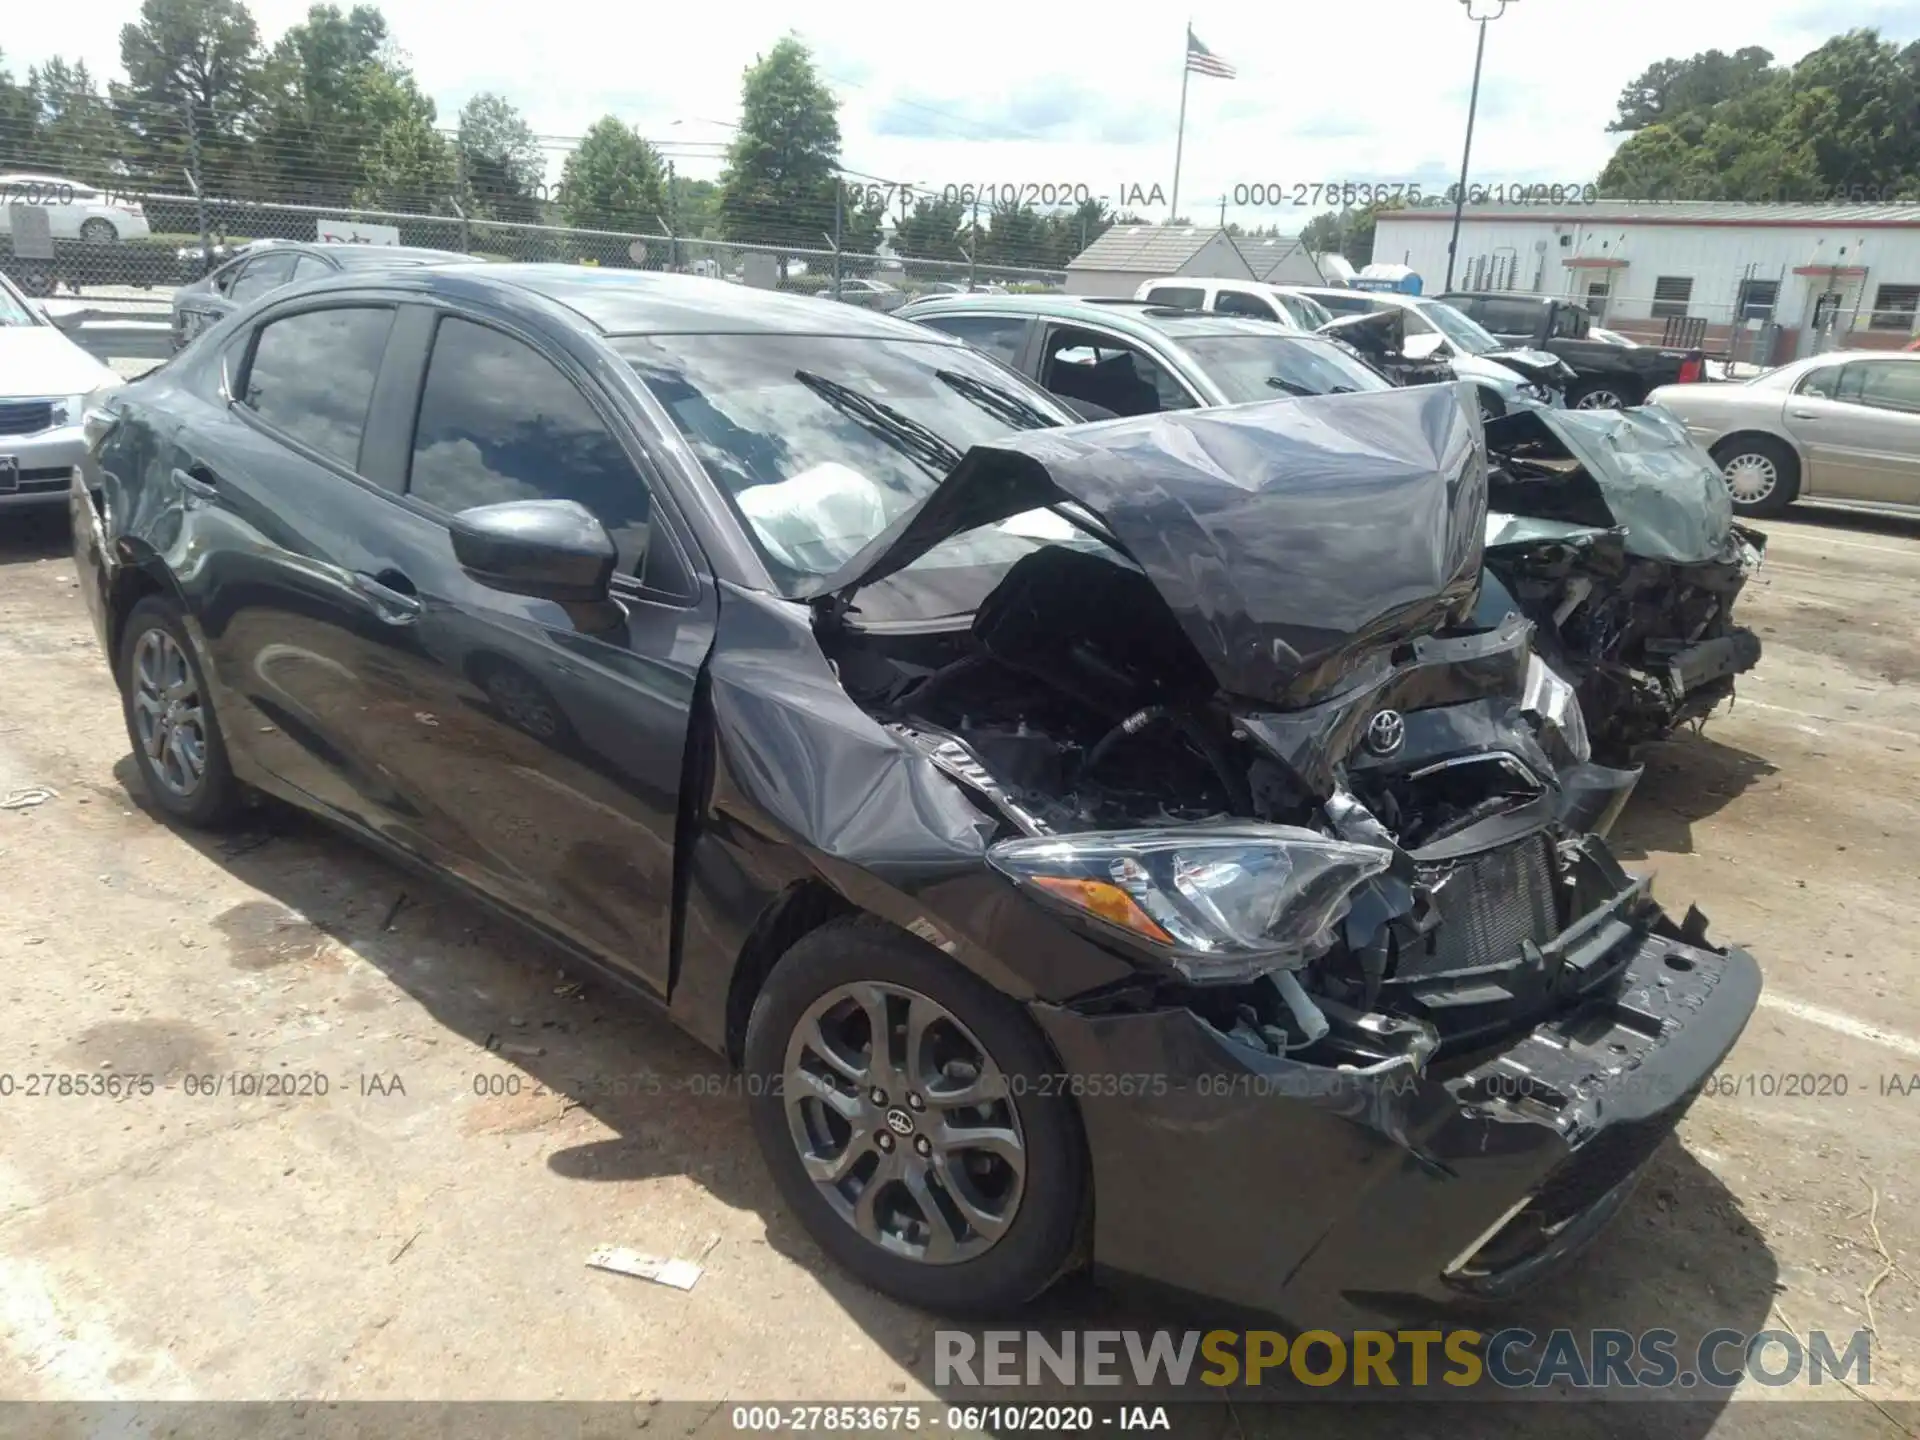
(839, 207)
(199, 190)
(973, 244)
(1473, 105)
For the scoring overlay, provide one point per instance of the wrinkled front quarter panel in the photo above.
(805, 786)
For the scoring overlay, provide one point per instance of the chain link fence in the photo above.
(188, 236)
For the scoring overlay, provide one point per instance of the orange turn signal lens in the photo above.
(1109, 902)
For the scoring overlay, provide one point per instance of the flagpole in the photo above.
(1180, 138)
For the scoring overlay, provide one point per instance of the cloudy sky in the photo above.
(1366, 90)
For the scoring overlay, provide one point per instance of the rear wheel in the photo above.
(1603, 395)
(1762, 474)
(176, 739)
(98, 232)
(903, 1107)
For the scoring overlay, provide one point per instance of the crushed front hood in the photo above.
(1636, 469)
(1538, 365)
(1287, 538)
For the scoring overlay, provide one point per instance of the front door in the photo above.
(1859, 424)
(539, 747)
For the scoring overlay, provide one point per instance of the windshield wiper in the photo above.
(1001, 404)
(904, 433)
(1276, 383)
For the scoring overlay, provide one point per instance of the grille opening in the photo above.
(1489, 907)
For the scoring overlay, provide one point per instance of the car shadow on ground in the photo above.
(1680, 1256)
(33, 533)
(1687, 779)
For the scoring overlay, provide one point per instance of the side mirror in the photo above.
(548, 549)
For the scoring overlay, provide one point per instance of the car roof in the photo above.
(357, 256)
(1498, 295)
(649, 302)
(1135, 315)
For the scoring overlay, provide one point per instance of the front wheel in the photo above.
(98, 232)
(1762, 475)
(912, 1117)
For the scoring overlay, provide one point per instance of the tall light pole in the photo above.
(1473, 104)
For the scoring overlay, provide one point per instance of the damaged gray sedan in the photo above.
(1613, 531)
(1113, 842)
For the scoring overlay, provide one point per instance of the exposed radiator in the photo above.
(1488, 906)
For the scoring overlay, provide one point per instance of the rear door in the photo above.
(277, 496)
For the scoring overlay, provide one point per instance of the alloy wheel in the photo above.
(98, 231)
(167, 713)
(1601, 400)
(902, 1120)
(1751, 477)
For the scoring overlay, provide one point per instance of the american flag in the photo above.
(1203, 61)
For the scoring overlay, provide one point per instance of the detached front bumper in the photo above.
(42, 467)
(1330, 1197)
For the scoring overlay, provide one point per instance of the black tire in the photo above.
(1041, 1241)
(97, 231)
(1603, 395)
(217, 795)
(1759, 451)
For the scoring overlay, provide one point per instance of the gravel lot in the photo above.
(405, 1235)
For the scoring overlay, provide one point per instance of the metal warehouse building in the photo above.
(1827, 276)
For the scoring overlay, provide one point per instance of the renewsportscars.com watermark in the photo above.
(1510, 1359)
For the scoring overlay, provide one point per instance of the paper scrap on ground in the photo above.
(28, 798)
(681, 1274)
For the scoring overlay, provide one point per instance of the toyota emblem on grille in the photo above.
(1386, 732)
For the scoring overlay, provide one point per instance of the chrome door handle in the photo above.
(196, 481)
(396, 607)
(1805, 415)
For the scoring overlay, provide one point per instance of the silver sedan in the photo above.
(1842, 426)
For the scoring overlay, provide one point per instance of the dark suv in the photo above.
(1609, 377)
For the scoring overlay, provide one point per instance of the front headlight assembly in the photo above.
(1222, 903)
(1555, 705)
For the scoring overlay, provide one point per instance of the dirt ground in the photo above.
(421, 1228)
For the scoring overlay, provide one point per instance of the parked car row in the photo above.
(46, 384)
(932, 754)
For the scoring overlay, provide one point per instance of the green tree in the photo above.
(320, 87)
(1672, 87)
(19, 114)
(781, 167)
(1844, 120)
(696, 208)
(613, 181)
(191, 91)
(861, 223)
(409, 166)
(931, 231)
(74, 133)
(501, 160)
